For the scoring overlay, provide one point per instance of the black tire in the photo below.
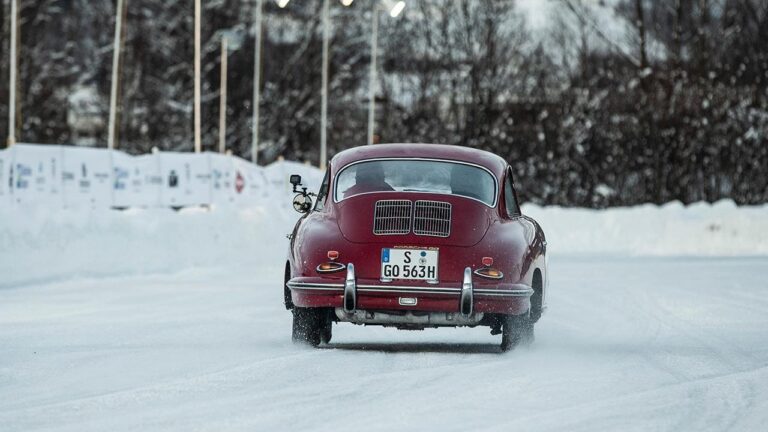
(537, 298)
(516, 330)
(287, 300)
(326, 327)
(307, 324)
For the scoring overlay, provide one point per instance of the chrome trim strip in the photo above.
(504, 293)
(407, 291)
(407, 287)
(495, 180)
(410, 289)
(315, 287)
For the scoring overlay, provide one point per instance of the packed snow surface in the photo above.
(161, 320)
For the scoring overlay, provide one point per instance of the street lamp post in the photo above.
(394, 9)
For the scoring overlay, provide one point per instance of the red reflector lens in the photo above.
(487, 261)
(333, 254)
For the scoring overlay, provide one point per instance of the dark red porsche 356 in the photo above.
(415, 236)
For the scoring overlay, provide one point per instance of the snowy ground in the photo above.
(629, 342)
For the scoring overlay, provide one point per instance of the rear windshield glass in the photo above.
(416, 176)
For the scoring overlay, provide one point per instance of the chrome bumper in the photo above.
(522, 291)
(466, 292)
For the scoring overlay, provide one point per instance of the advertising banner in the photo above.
(67, 176)
(128, 185)
(148, 185)
(250, 185)
(36, 175)
(186, 179)
(5, 176)
(223, 178)
(87, 177)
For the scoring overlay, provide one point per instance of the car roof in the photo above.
(494, 163)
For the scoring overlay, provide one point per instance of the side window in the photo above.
(323, 193)
(510, 197)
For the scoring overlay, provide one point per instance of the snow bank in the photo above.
(701, 229)
(40, 241)
(39, 244)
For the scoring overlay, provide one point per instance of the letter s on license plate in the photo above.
(411, 264)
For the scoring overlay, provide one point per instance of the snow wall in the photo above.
(56, 221)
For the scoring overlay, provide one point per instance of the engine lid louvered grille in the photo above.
(392, 217)
(432, 218)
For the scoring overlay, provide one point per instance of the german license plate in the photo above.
(410, 264)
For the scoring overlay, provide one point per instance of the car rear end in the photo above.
(412, 260)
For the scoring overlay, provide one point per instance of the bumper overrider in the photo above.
(457, 303)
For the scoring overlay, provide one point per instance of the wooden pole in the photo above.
(116, 47)
(198, 143)
(223, 98)
(256, 84)
(14, 67)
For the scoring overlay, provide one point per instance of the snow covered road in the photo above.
(627, 344)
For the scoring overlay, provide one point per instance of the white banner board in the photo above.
(87, 177)
(5, 177)
(250, 184)
(36, 175)
(222, 179)
(95, 177)
(185, 179)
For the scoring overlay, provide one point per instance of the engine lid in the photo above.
(414, 219)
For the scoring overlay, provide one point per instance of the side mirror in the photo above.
(295, 180)
(302, 203)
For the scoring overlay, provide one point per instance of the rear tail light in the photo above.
(487, 271)
(330, 267)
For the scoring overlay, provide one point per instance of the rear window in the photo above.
(397, 175)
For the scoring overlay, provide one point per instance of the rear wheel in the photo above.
(287, 300)
(326, 327)
(307, 326)
(516, 330)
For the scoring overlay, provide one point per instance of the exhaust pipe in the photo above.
(467, 295)
(350, 290)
